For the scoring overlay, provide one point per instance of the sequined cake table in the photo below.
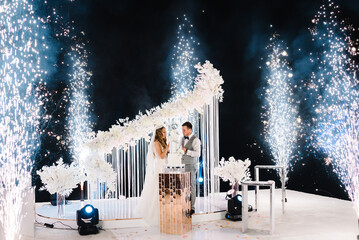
(175, 204)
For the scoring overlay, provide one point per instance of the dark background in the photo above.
(130, 43)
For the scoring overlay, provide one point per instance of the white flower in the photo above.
(233, 170)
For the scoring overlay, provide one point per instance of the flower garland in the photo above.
(125, 133)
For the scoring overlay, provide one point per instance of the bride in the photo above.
(148, 206)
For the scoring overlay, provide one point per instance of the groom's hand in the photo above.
(184, 149)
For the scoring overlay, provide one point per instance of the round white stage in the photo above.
(307, 217)
(120, 213)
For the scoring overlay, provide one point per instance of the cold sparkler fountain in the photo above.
(280, 117)
(79, 123)
(335, 86)
(20, 71)
(184, 58)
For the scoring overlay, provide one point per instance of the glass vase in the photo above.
(60, 203)
(235, 189)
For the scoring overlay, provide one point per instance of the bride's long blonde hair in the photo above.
(159, 137)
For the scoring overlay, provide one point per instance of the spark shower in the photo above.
(20, 72)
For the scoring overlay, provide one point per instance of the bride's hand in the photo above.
(168, 147)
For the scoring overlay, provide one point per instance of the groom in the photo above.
(191, 146)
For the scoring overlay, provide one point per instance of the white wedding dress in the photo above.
(148, 206)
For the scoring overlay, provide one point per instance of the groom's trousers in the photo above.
(192, 168)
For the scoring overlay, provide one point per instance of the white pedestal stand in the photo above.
(245, 185)
(282, 179)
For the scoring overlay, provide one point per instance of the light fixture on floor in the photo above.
(234, 207)
(234, 211)
(87, 219)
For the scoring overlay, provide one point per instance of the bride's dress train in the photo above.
(148, 206)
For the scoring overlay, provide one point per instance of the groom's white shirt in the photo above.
(196, 144)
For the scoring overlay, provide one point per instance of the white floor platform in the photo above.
(114, 213)
(308, 217)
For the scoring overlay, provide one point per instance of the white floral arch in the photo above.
(125, 141)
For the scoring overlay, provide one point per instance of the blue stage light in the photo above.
(234, 208)
(200, 179)
(89, 209)
(87, 220)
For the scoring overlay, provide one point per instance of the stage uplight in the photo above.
(87, 218)
(234, 208)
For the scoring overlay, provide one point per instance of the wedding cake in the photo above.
(174, 159)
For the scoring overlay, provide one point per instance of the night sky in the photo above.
(130, 44)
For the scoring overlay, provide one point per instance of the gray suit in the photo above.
(190, 166)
